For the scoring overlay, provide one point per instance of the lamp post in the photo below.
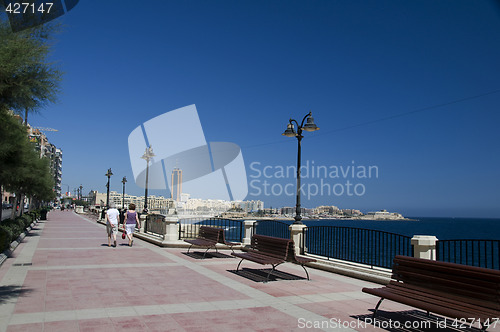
(124, 180)
(108, 174)
(81, 194)
(290, 132)
(148, 155)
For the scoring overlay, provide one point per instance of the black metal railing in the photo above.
(155, 223)
(482, 253)
(272, 228)
(233, 229)
(365, 246)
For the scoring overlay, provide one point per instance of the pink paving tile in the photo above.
(34, 327)
(63, 326)
(98, 288)
(250, 319)
(359, 313)
(96, 325)
(97, 255)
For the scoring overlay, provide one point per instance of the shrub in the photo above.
(16, 226)
(36, 213)
(5, 237)
(24, 220)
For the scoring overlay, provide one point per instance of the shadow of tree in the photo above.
(8, 293)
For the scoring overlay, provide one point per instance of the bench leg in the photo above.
(206, 252)
(273, 269)
(376, 308)
(307, 274)
(267, 278)
(189, 248)
(239, 265)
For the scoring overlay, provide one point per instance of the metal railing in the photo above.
(155, 223)
(482, 253)
(233, 229)
(272, 228)
(365, 246)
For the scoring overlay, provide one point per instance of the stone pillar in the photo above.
(99, 215)
(171, 229)
(424, 246)
(247, 237)
(79, 209)
(142, 219)
(296, 232)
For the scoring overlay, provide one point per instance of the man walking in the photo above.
(112, 223)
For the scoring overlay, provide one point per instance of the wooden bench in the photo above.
(208, 237)
(453, 290)
(222, 240)
(268, 250)
(292, 257)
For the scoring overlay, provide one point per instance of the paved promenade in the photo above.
(64, 277)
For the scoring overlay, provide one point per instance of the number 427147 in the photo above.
(26, 7)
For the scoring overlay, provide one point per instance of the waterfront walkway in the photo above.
(64, 277)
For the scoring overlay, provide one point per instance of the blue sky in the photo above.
(249, 66)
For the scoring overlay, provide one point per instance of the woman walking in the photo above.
(131, 219)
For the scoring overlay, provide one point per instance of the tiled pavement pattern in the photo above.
(64, 277)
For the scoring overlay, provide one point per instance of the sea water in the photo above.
(442, 228)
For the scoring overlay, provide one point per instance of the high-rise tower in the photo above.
(176, 184)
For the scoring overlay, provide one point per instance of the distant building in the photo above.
(176, 184)
(351, 212)
(383, 215)
(248, 206)
(51, 152)
(325, 209)
(155, 203)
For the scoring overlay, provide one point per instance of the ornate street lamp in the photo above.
(148, 155)
(124, 180)
(108, 174)
(290, 132)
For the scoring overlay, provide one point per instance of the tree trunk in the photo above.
(1, 210)
(21, 205)
(14, 208)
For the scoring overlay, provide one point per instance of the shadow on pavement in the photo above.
(260, 275)
(11, 292)
(209, 255)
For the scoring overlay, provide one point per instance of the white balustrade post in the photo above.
(424, 246)
(171, 229)
(296, 232)
(248, 224)
(142, 219)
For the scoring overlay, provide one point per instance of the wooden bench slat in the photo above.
(441, 284)
(453, 301)
(449, 289)
(434, 307)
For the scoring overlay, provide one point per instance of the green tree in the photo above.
(28, 82)
(21, 169)
(14, 139)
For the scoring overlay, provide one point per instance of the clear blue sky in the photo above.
(251, 65)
